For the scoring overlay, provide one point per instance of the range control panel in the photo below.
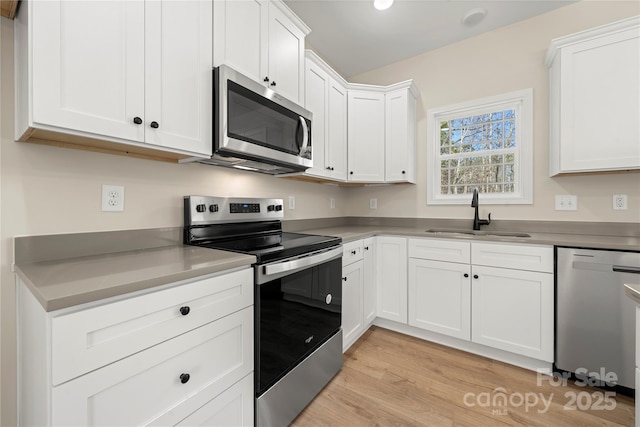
(201, 210)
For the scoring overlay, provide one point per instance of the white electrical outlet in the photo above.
(332, 203)
(112, 198)
(373, 203)
(292, 202)
(619, 202)
(566, 202)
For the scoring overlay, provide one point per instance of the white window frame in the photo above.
(522, 102)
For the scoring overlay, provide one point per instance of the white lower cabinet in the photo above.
(391, 256)
(352, 303)
(440, 297)
(513, 311)
(187, 357)
(369, 280)
(358, 289)
(494, 294)
(234, 407)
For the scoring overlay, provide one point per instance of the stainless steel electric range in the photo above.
(297, 299)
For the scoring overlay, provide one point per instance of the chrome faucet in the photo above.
(477, 222)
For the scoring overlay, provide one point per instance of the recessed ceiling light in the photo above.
(382, 4)
(474, 17)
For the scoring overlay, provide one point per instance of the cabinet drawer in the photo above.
(88, 339)
(234, 407)
(440, 250)
(351, 252)
(150, 388)
(518, 257)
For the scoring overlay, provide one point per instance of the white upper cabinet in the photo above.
(400, 135)
(264, 40)
(135, 73)
(366, 112)
(326, 98)
(382, 133)
(594, 83)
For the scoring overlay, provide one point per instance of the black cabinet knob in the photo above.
(184, 378)
(154, 125)
(353, 252)
(344, 279)
(185, 310)
(273, 83)
(266, 79)
(351, 173)
(403, 172)
(137, 120)
(366, 248)
(466, 275)
(475, 276)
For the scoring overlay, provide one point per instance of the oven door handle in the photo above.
(308, 261)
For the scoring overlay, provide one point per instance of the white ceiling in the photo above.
(354, 37)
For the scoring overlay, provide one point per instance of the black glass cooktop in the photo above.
(274, 246)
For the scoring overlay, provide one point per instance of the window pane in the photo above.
(482, 149)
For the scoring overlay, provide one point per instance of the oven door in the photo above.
(256, 122)
(298, 307)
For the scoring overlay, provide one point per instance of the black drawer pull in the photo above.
(475, 276)
(344, 279)
(184, 378)
(137, 120)
(353, 252)
(466, 275)
(185, 310)
(154, 125)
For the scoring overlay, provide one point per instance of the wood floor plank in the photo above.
(390, 379)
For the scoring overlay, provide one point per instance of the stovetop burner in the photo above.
(249, 226)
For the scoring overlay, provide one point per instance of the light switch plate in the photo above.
(566, 202)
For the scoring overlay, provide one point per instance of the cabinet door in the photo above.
(366, 136)
(513, 310)
(151, 386)
(369, 289)
(88, 66)
(241, 36)
(391, 257)
(352, 312)
(178, 83)
(286, 56)
(316, 100)
(440, 297)
(336, 142)
(600, 103)
(400, 142)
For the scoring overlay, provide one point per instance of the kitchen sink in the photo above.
(462, 232)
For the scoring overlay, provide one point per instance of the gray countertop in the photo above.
(67, 282)
(71, 269)
(350, 233)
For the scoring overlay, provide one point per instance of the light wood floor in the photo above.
(390, 379)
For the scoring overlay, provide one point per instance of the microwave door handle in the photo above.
(305, 135)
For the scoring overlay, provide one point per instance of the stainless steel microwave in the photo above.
(257, 129)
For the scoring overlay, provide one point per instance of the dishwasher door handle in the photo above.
(625, 269)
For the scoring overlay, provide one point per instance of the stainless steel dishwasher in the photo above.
(595, 321)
